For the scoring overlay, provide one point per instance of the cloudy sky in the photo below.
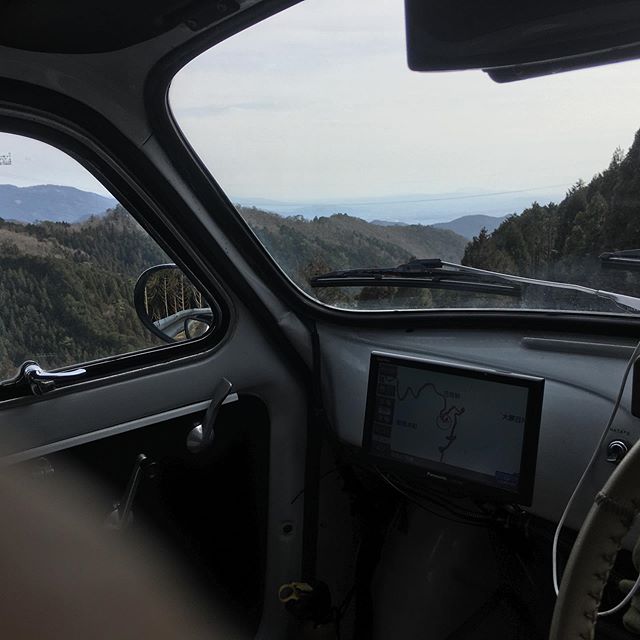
(317, 103)
(33, 162)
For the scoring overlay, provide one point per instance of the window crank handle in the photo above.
(202, 435)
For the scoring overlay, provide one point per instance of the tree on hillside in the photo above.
(564, 241)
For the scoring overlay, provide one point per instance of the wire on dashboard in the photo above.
(460, 519)
(592, 461)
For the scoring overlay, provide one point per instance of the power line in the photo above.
(465, 197)
(349, 203)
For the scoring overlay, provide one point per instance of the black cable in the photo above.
(454, 510)
(420, 505)
(322, 477)
(342, 609)
(459, 513)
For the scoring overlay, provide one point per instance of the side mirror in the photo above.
(170, 306)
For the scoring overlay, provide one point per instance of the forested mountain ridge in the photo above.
(67, 290)
(309, 247)
(564, 240)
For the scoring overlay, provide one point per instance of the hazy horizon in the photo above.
(391, 208)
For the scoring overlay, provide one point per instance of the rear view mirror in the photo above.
(515, 40)
(170, 306)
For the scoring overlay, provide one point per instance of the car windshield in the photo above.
(339, 157)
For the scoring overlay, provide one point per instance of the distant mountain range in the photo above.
(422, 208)
(466, 226)
(50, 202)
(470, 226)
(389, 223)
(58, 203)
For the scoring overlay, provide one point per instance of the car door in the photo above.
(91, 385)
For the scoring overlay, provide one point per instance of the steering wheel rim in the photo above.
(594, 552)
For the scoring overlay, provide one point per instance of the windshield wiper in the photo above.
(429, 274)
(436, 273)
(628, 259)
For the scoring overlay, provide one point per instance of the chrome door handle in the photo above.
(42, 381)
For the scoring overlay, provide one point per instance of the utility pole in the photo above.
(5, 159)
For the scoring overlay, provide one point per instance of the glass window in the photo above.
(70, 257)
(339, 157)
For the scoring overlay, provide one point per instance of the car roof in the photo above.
(79, 26)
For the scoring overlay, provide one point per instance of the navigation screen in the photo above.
(463, 425)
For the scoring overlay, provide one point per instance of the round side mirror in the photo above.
(170, 306)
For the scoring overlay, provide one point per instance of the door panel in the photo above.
(207, 513)
(249, 361)
(125, 402)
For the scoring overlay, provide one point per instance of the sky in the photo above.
(34, 162)
(317, 104)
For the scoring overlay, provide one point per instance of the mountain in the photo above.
(389, 223)
(563, 241)
(50, 202)
(470, 226)
(67, 290)
(309, 247)
(306, 248)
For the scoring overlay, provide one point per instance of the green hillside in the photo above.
(306, 248)
(309, 247)
(67, 290)
(563, 241)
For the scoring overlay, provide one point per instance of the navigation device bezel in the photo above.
(465, 481)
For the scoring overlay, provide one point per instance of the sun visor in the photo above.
(515, 40)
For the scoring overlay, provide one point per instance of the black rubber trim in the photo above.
(195, 173)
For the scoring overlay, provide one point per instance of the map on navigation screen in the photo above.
(467, 422)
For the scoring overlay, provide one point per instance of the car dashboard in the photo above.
(582, 376)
